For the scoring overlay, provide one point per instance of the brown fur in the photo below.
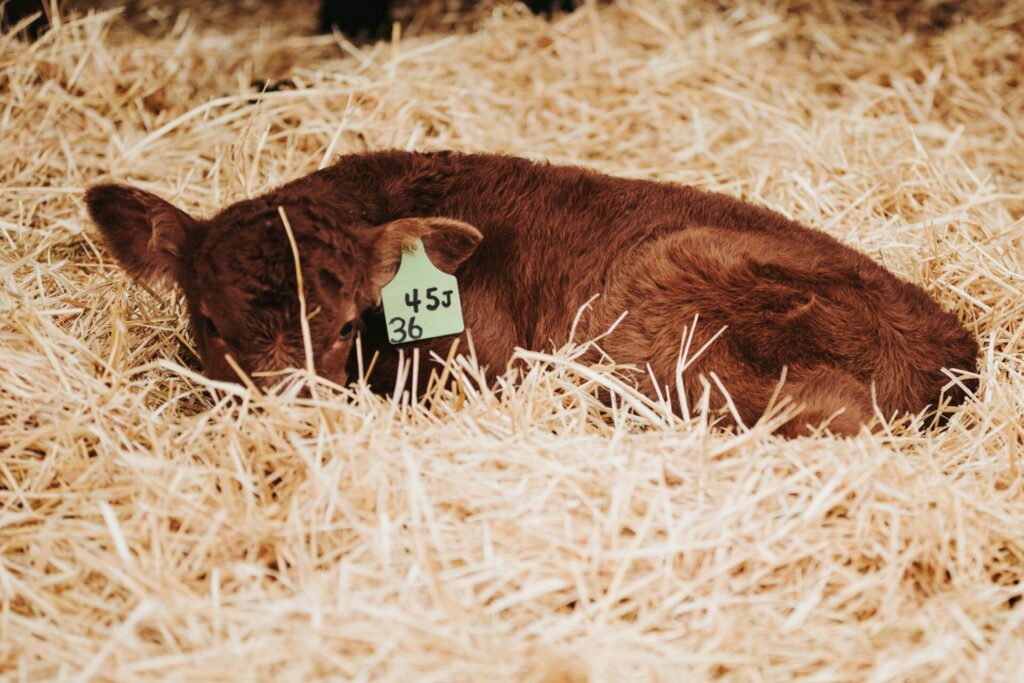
(531, 243)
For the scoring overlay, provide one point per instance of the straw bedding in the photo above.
(155, 525)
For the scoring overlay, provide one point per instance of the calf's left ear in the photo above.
(146, 233)
(448, 243)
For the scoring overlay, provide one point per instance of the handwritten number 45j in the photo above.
(408, 329)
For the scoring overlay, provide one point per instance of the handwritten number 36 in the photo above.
(401, 333)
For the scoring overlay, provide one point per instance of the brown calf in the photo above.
(530, 243)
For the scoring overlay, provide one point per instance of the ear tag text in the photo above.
(421, 302)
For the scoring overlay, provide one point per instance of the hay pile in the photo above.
(153, 526)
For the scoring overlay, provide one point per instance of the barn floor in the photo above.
(153, 526)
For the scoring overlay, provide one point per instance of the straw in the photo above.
(554, 525)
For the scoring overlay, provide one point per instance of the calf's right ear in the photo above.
(448, 243)
(146, 233)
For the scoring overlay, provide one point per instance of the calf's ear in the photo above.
(146, 233)
(448, 243)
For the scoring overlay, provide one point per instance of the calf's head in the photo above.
(237, 271)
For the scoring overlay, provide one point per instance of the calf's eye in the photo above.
(209, 329)
(351, 326)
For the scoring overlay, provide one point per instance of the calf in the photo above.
(372, 17)
(352, 17)
(12, 12)
(529, 244)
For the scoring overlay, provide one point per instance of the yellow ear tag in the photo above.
(421, 301)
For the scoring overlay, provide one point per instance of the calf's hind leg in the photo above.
(769, 321)
(827, 396)
(823, 395)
